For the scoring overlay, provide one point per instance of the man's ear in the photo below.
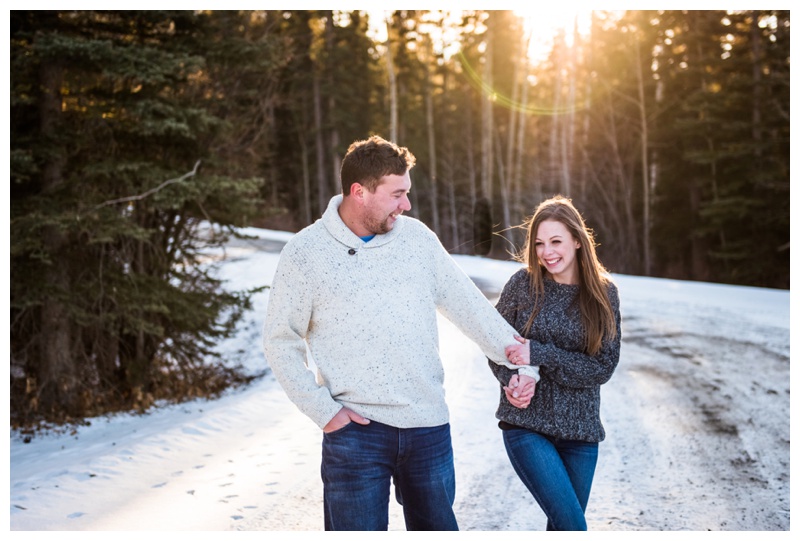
(357, 191)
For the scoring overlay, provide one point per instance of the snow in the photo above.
(697, 422)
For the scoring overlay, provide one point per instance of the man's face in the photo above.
(389, 201)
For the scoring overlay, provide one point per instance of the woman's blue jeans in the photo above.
(558, 473)
(359, 463)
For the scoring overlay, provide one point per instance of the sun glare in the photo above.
(544, 24)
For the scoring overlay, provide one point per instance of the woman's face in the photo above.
(556, 250)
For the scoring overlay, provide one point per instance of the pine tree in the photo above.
(114, 189)
(749, 212)
(723, 197)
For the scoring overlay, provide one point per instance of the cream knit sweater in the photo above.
(366, 313)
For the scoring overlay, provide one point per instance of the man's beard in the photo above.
(376, 226)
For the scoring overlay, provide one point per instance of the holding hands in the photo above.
(519, 353)
(520, 390)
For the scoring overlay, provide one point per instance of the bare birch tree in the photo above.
(642, 105)
(487, 115)
(430, 125)
(319, 145)
(333, 135)
(392, 82)
(556, 119)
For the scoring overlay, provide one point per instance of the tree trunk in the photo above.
(507, 179)
(513, 115)
(449, 176)
(472, 184)
(487, 110)
(500, 249)
(555, 130)
(57, 372)
(138, 368)
(568, 133)
(430, 125)
(487, 133)
(758, 53)
(699, 270)
(392, 84)
(472, 174)
(333, 149)
(322, 182)
(520, 202)
(645, 163)
(273, 171)
(455, 243)
(306, 195)
(584, 175)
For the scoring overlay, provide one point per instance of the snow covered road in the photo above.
(697, 421)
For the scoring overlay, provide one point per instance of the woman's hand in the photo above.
(519, 353)
(520, 390)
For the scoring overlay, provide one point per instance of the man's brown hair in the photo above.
(367, 161)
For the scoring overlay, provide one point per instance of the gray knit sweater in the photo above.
(566, 404)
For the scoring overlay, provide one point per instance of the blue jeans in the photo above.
(359, 462)
(557, 472)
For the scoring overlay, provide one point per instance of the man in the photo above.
(360, 288)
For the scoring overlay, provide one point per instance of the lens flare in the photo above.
(504, 101)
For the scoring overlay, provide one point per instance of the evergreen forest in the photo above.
(139, 139)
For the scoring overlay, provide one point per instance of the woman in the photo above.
(565, 303)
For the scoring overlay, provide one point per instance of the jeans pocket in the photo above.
(340, 430)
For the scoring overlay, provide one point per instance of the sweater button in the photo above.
(351, 251)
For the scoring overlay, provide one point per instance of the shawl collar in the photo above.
(339, 231)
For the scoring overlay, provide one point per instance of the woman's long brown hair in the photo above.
(597, 315)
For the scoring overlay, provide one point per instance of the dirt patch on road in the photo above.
(698, 435)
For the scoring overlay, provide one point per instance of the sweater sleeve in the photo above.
(579, 370)
(507, 308)
(461, 302)
(287, 322)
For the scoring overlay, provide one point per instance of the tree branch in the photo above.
(152, 191)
